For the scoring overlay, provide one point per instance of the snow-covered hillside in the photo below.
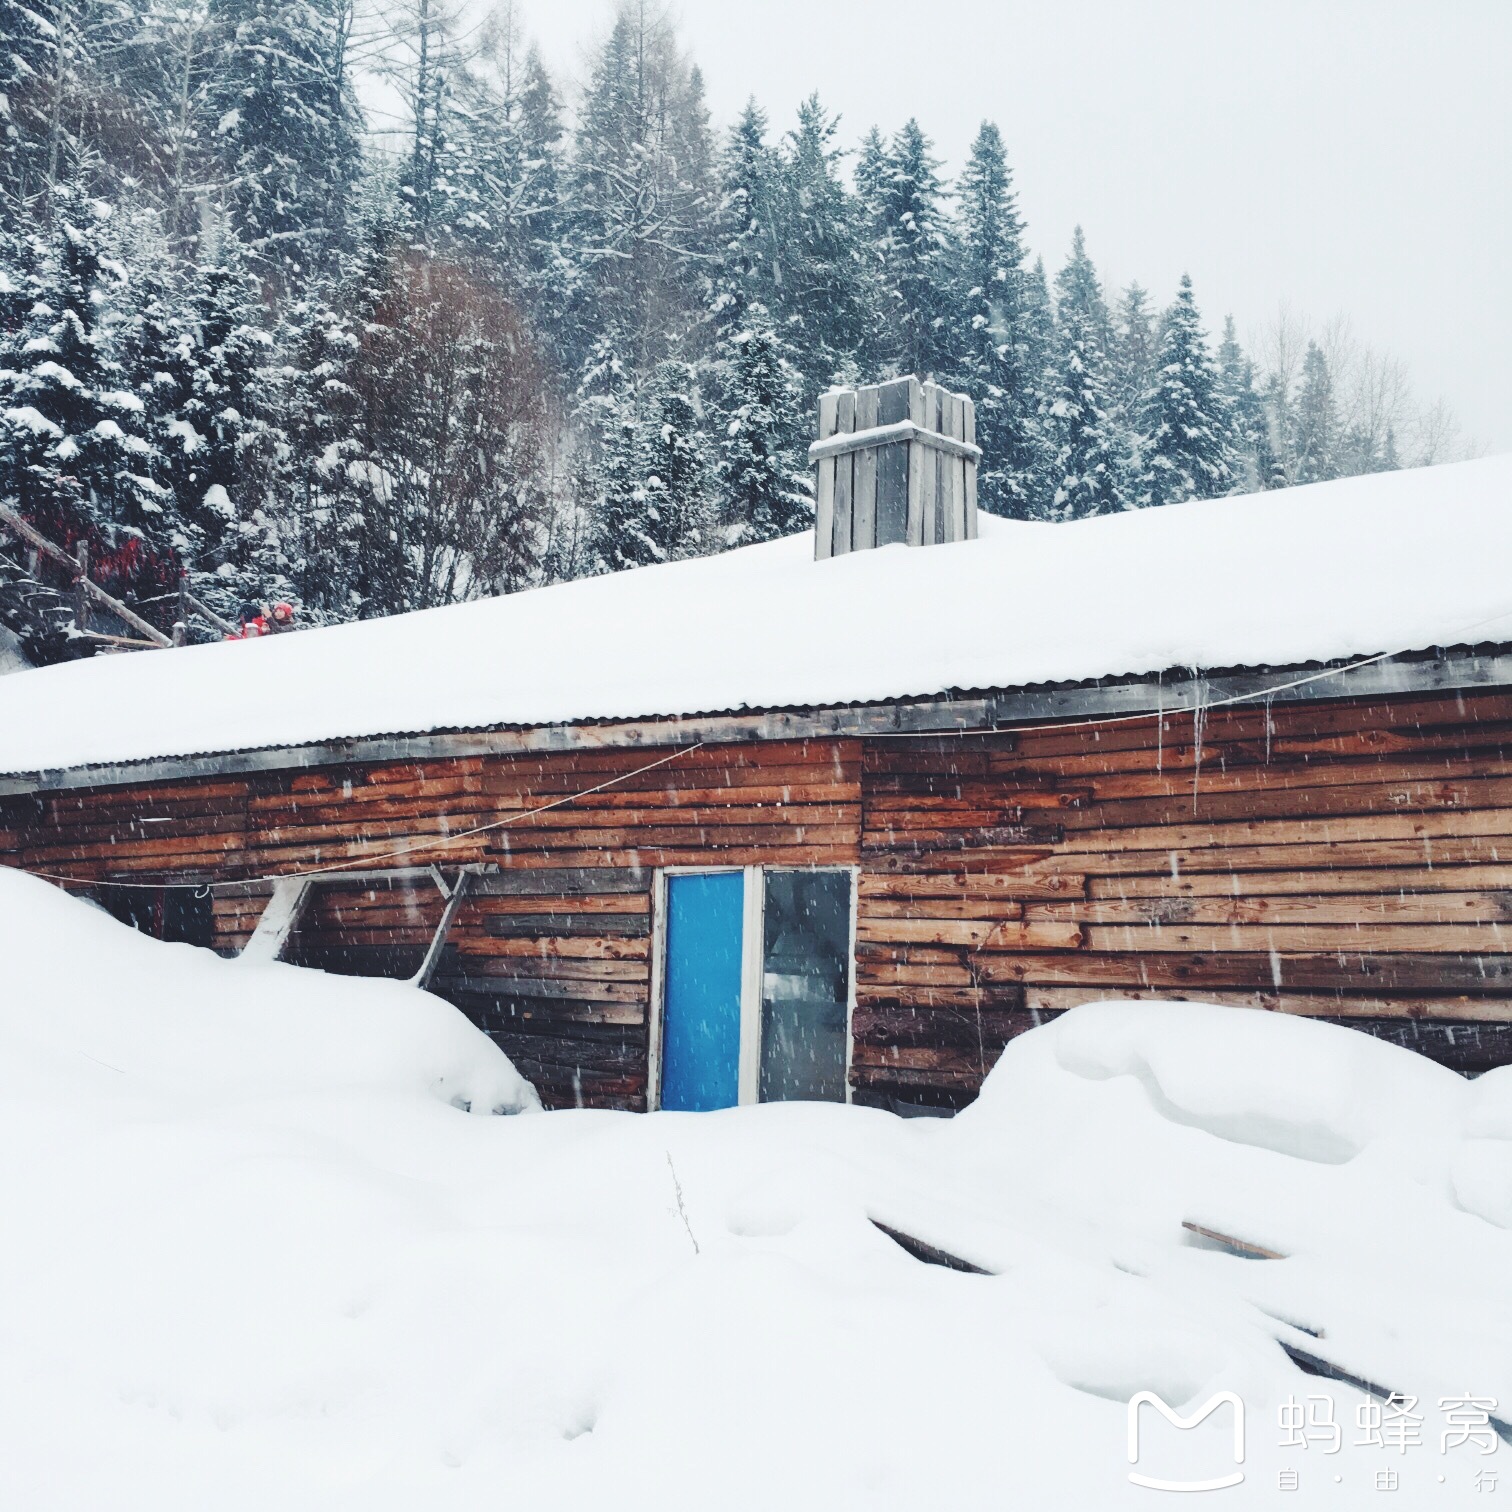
(254, 1255)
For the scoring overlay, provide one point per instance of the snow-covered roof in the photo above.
(1394, 562)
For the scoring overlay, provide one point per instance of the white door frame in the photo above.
(753, 931)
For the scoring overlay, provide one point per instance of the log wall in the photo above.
(553, 955)
(1347, 861)
(1344, 860)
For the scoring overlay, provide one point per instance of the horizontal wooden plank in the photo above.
(532, 926)
(1228, 860)
(1341, 831)
(596, 948)
(1342, 971)
(981, 934)
(1430, 908)
(1304, 1005)
(1342, 801)
(1322, 881)
(944, 908)
(775, 836)
(524, 906)
(1024, 884)
(989, 837)
(1289, 939)
(563, 881)
(540, 987)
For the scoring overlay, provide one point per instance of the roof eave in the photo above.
(953, 713)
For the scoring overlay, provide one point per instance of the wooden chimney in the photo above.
(897, 464)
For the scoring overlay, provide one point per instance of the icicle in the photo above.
(1199, 729)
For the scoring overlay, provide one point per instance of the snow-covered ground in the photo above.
(253, 1254)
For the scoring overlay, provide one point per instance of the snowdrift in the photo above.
(254, 1254)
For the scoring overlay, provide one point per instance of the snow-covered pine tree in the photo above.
(828, 289)
(994, 348)
(1256, 465)
(1316, 419)
(229, 425)
(915, 270)
(281, 115)
(338, 563)
(744, 226)
(1133, 354)
(83, 462)
(1088, 474)
(1037, 477)
(677, 518)
(1187, 452)
(29, 68)
(1079, 297)
(763, 480)
(641, 191)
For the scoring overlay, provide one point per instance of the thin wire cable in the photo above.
(201, 888)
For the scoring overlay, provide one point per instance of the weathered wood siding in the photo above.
(552, 956)
(1348, 860)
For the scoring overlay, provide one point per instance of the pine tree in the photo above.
(995, 365)
(745, 230)
(30, 32)
(763, 486)
(1079, 297)
(1316, 419)
(83, 461)
(1188, 452)
(912, 252)
(641, 187)
(675, 503)
(1035, 475)
(827, 289)
(285, 128)
(1133, 354)
(1089, 469)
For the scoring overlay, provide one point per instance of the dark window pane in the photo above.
(805, 986)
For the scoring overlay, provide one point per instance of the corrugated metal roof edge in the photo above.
(979, 711)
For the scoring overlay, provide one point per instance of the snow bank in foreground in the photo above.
(82, 992)
(252, 1257)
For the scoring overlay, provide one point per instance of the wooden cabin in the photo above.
(838, 817)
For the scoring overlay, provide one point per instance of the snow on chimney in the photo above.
(897, 464)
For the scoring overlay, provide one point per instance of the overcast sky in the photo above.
(1346, 156)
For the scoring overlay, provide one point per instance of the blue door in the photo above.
(701, 1003)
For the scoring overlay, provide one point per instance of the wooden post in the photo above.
(845, 471)
(894, 403)
(918, 412)
(864, 524)
(824, 493)
(81, 576)
(279, 920)
(957, 470)
(422, 978)
(971, 473)
(181, 621)
(42, 547)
